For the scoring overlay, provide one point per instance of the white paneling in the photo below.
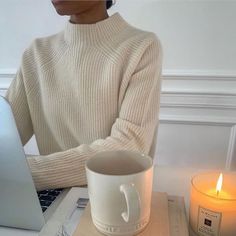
(6, 76)
(31, 147)
(231, 155)
(198, 115)
(197, 120)
(199, 99)
(200, 146)
(202, 83)
(2, 92)
(5, 82)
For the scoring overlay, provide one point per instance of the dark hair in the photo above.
(109, 3)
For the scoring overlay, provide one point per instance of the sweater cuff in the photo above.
(48, 174)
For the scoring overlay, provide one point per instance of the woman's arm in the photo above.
(132, 130)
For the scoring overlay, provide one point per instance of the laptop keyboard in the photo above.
(46, 197)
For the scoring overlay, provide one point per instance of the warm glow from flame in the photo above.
(219, 183)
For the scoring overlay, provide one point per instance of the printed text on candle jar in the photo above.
(208, 222)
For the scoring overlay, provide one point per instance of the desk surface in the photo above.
(174, 181)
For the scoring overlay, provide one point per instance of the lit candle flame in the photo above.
(219, 184)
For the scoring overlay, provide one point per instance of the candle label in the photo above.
(208, 222)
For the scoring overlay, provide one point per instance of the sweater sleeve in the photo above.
(132, 130)
(16, 96)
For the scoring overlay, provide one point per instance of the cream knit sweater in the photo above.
(87, 89)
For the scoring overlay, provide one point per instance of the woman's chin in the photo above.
(62, 10)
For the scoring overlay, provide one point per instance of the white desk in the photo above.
(174, 181)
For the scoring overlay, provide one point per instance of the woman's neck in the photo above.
(91, 16)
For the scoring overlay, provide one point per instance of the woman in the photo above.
(93, 87)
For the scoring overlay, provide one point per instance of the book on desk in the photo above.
(167, 218)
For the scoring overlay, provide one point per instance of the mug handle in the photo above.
(132, 201)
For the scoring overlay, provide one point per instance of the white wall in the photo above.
(198, 101)
(196, 35)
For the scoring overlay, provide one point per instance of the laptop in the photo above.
(21, 206)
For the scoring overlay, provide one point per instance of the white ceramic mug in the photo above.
(120, 189)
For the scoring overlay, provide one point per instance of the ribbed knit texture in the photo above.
(87, 89)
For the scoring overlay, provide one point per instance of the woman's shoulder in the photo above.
(135, 38)
(140, 33)
(46, 43)
(133, 42)
(44, 49)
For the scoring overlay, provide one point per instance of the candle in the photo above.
(213, 204)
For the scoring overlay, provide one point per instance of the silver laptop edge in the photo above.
(19, 203)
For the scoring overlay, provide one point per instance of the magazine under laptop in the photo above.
(19, 203)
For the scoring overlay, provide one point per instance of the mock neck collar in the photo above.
(94, 33)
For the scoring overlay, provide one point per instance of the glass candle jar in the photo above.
(212, 211)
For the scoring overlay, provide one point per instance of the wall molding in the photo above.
(8, 74)
(200, 74)
(196, 101)
(199, 85)
(196, 120)
(189, 77)
(189, 97)
(231, 155)
(198, 98)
